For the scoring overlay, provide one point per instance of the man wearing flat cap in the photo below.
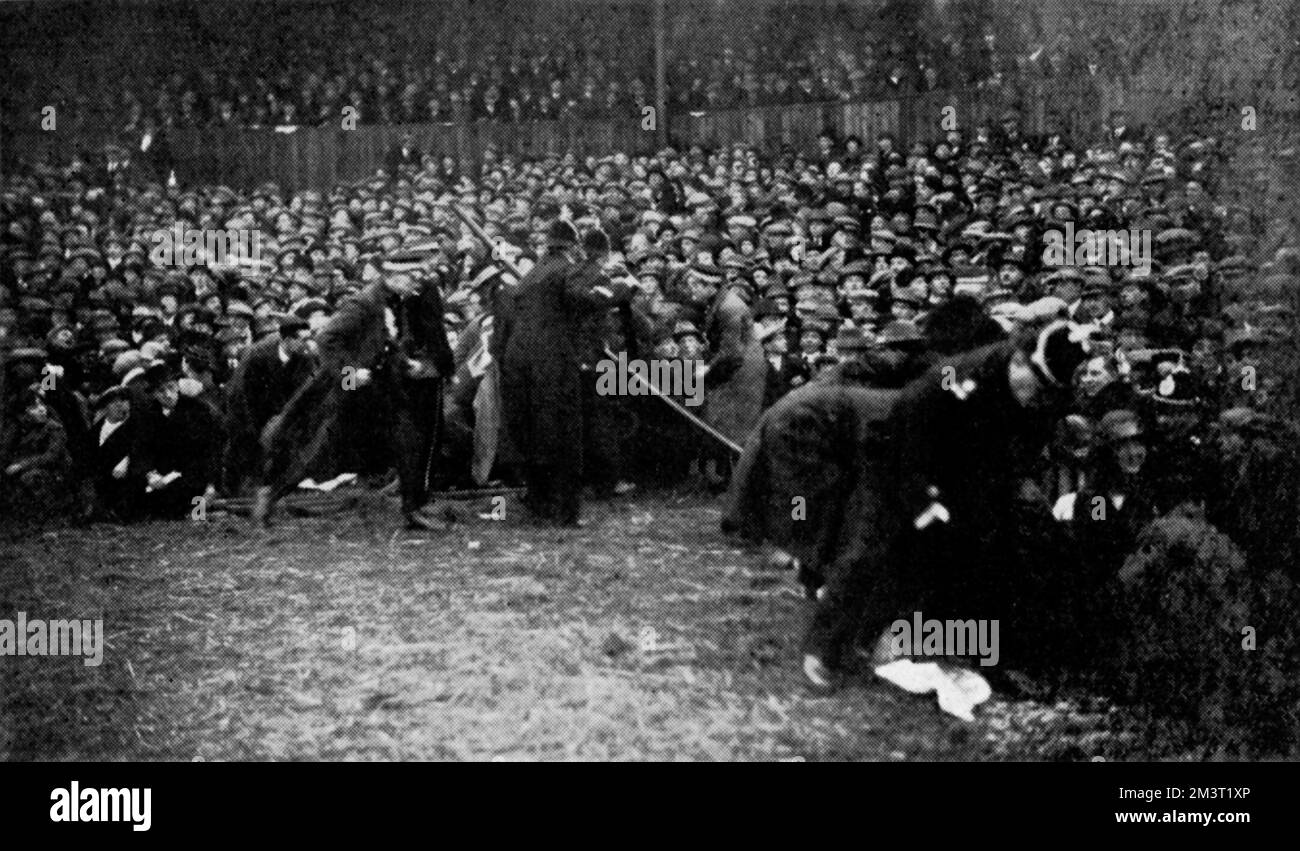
(389, 343)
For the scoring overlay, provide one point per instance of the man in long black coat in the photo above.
(389, 343)
(542, 376)
(266, 378)
(939, 525)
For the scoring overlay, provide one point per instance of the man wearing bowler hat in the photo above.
(544, 347)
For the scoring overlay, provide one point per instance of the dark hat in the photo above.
(926, 219)
(158, 373)
(1176, 387)
(707, 271)
(904, 249)
(859, 267)
(561, 234)
(1056, 353)
(901, 333)
(595, 242)
(1171, 241)
(308, 306)
(291, 323)
(112, 394)
(850, 338)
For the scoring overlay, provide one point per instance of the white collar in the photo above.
(107, 428)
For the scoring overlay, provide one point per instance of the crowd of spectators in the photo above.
(852, 245)
(259, 65)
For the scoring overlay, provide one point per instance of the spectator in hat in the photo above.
(812, 341)
(1104, 519)
(784, 370)
(735, 372)
(1100, 389)
(690, 341)
(119, 485)
(177, 445)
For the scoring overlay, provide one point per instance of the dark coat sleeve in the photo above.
(914, 435)
(343, 340)
(48, 448)
(732, 327)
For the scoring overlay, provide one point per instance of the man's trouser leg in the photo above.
(862, 593)
(415, 434)
(567, 493)
(537, 495)
(868, 578)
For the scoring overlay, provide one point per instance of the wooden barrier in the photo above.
(319, 157)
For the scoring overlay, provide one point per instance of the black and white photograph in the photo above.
(864, 381)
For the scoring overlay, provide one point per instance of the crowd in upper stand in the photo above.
(260, 65)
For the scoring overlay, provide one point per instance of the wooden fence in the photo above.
(319, 157)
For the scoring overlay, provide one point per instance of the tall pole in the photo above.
(661, 75)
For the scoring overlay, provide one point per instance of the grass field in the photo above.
(643, 636)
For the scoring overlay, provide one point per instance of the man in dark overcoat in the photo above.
(263, 383)
(389, 343)
(812, 448)
(937, 527)
(542, 375)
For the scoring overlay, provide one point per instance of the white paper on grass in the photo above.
(330, 485)
(959, 690)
